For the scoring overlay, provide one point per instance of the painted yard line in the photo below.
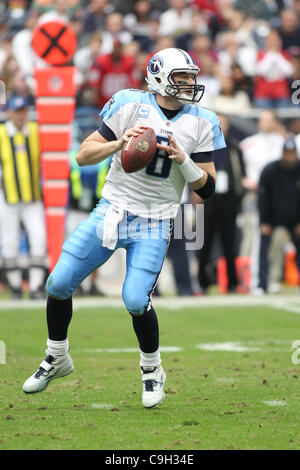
(274, 402)
(175, 303)
(288, 307)
(228, 346)
(225, 380)
(246, 346)
(288, 303)
(129, 350)
(102, 406)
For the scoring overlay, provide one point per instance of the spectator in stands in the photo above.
(242, 27)
(295, 59)
(60, 11)
(289, 29)
(209, 77)
(258, 150)
(3, 24)
(95, 14)
(208, 7)
(229, 101)
(139, 23)
(114, 29)
(85, 57)
(279, 205)
(264, 9)
(191, 40)
(10, 68)
(273, 69)
(241, 82)
(140, 65)
(163, 42)
(221, 209)
(262, 148)
(15, 14)
(113, 72)
(177, 19)
(76, 24)
(296, 8)
(294, 128)
(218, 22)
(230, 51)
(201, 48)
(21, 45)
(5, 48)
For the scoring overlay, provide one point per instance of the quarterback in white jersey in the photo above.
(187, 135)
(158, 187)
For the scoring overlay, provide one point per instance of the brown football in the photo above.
(138, 152)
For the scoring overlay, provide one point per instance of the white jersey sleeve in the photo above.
(210, 135)
(117, 112)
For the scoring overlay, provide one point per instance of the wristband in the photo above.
(190, 171)
(208, 189)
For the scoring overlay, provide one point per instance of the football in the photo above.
(138, 152)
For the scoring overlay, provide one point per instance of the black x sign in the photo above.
(54, 41)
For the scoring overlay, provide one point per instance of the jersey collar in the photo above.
(162, 115)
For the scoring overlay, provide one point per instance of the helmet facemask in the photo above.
(180, 91)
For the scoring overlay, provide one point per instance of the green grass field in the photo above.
(240, 391)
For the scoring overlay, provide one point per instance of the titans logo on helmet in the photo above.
(155, 64)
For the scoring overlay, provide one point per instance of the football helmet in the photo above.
(161, 68)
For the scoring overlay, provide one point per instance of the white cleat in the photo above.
(153, 383)
(257, 292)
(51, 368)
(274, 288)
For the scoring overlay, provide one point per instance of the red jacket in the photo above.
(111, 76)
(269, 87)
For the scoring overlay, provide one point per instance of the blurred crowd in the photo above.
(249, 58)
(248, 51)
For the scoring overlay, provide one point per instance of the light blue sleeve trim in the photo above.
(208, 115)
(119, 100)
(218, 137)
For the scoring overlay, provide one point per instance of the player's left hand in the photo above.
(174, 150)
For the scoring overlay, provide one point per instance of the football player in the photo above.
(187, 135)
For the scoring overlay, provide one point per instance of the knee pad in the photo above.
(59, 283)
(135, 301)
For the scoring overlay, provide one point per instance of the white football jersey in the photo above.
(156, 190)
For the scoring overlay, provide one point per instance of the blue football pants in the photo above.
(145, 241)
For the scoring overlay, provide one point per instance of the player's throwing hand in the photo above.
(134, 132)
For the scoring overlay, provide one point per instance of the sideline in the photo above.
(289, 303)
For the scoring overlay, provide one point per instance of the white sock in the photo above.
(36, 278)
(14, 278)
(150, 360)
(57, 348)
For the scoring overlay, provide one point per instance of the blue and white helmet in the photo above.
(161, 68)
